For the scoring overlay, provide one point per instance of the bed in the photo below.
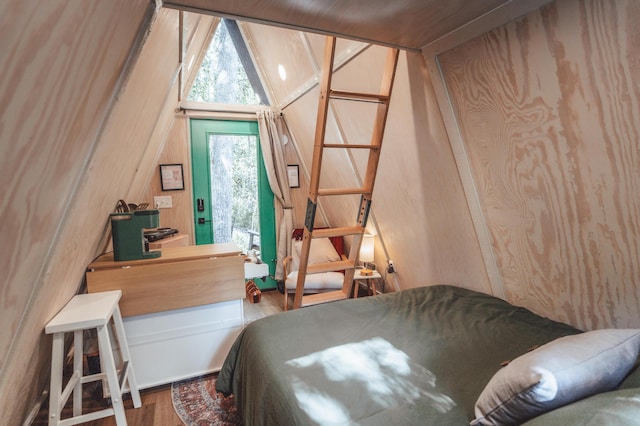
(420, 356)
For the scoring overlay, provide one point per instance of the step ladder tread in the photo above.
(342, 191)
(329, 296)
(350, 146)
(358, 96)
(337, 232)
(330, 267)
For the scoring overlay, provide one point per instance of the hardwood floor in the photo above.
(271, 303)
(157, 406)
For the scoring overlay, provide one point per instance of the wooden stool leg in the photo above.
(77, 369)
(57, 355)
(126, 358)
(106, 355)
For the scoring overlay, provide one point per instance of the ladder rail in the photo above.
(321, 118)
(357, 96)
(382, 99)
(386, 87)
(316, 166)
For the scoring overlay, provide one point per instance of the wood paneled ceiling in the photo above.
(407, 24)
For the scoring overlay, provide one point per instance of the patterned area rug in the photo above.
(197, 403)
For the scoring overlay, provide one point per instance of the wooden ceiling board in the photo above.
(408, 24)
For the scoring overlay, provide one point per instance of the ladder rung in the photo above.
(342, 191)
(329, 267)
(93, 378)
(346, 146)
(328, 296)
(337, 232)
(356, 96)
(84, 418)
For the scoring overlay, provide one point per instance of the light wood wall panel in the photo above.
(171, 134)
(62, 64)
(409, 24)
(549, 111)
(176, 151)
(419, 211)
(81, 119)
(418, 202)
(290, 44)
(299, 195)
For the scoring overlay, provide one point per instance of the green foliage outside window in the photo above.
(222, 78)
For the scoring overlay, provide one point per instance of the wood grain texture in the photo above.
(172, 136)
(260, 39)
(157, 408)
(62, 63)
(175, 150)
(549, 109)
(79, 117)
(419, 210)
(410, 24)
(176, 240)
(419, 203)
(181, 277)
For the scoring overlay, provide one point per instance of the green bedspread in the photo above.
(419, 356)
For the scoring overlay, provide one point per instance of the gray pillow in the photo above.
(562, 371)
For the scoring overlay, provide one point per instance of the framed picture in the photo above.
(171, 177)
(293, 172)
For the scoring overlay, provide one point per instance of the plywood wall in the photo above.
(546, 109)
(549, 113)
(175, 151)
(173, 131)
(419, 211)
(84, 94)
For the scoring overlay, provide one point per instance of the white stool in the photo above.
(86, 311)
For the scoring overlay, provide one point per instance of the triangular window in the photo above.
(227, 74)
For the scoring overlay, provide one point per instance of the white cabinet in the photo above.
(181, 311)
(183, 343)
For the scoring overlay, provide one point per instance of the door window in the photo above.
(232, 198)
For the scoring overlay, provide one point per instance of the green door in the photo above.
(231, 195)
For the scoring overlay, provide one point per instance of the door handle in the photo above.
(200, 203)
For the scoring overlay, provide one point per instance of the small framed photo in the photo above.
(293, 173)
(171, 177)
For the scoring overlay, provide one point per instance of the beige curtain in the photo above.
(273, 138)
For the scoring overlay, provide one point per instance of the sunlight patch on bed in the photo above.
(357, 380)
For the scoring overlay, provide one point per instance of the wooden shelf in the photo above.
(177, 240)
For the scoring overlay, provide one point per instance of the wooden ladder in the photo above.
(326, 94)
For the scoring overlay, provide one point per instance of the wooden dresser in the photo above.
(182, 310)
